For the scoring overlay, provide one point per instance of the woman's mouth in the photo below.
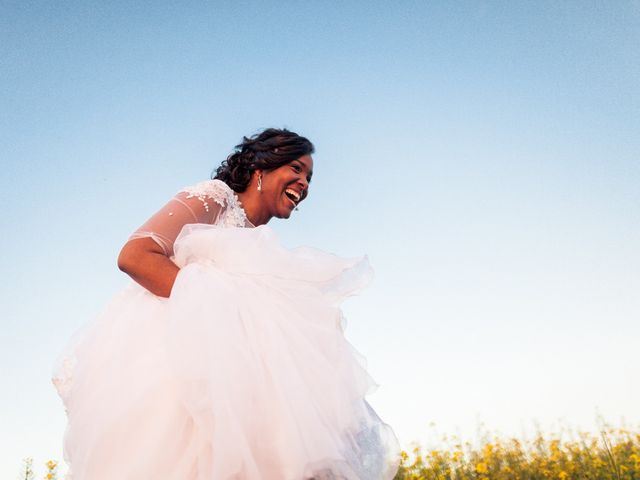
(293, 196)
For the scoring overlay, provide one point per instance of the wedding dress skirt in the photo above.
(243, 373)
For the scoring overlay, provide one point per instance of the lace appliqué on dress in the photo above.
(63, 376)
(232, 215)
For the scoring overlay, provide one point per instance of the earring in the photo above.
(260, 183)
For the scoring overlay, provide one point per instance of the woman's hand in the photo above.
(146, 262)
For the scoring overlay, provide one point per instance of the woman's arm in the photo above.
(146, 262)
(146, 257)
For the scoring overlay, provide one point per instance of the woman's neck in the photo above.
(254, 208)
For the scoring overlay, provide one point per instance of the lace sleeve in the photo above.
(211, 202)
(165, 225)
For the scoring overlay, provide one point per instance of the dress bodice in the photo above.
(231, 212)
(211, 202)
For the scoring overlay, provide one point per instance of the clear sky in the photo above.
(485, 155)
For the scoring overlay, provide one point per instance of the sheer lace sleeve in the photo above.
(208, 202)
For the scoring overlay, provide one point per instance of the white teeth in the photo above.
(293, 193)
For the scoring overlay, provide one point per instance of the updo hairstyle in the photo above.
(267, 150)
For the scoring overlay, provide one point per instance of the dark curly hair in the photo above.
(266, 150)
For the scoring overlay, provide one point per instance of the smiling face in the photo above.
(283, 188)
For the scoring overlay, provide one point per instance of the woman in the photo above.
(226, 359)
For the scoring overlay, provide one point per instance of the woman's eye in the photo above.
(296, 168)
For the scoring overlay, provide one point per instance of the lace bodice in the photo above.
(211, 202)
(232, 213)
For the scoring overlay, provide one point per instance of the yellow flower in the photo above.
(487, 450)
(457, 456)
(563, 475)
(482, 467)
(51, 464)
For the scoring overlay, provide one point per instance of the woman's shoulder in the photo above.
(216, 190)
(230, 211)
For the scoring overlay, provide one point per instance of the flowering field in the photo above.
(613, 454)
(28, 473)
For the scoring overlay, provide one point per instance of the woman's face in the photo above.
(283, 188)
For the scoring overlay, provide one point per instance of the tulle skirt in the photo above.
(243, 373)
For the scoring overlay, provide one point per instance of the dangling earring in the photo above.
(259, 183)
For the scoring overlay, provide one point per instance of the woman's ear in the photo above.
(256, 179)
(256, 175)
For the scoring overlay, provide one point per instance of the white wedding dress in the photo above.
(243, 373)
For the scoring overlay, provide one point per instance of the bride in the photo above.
(225, 359)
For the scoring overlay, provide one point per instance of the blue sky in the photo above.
(483, 154)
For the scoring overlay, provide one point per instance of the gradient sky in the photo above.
(485, 155)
